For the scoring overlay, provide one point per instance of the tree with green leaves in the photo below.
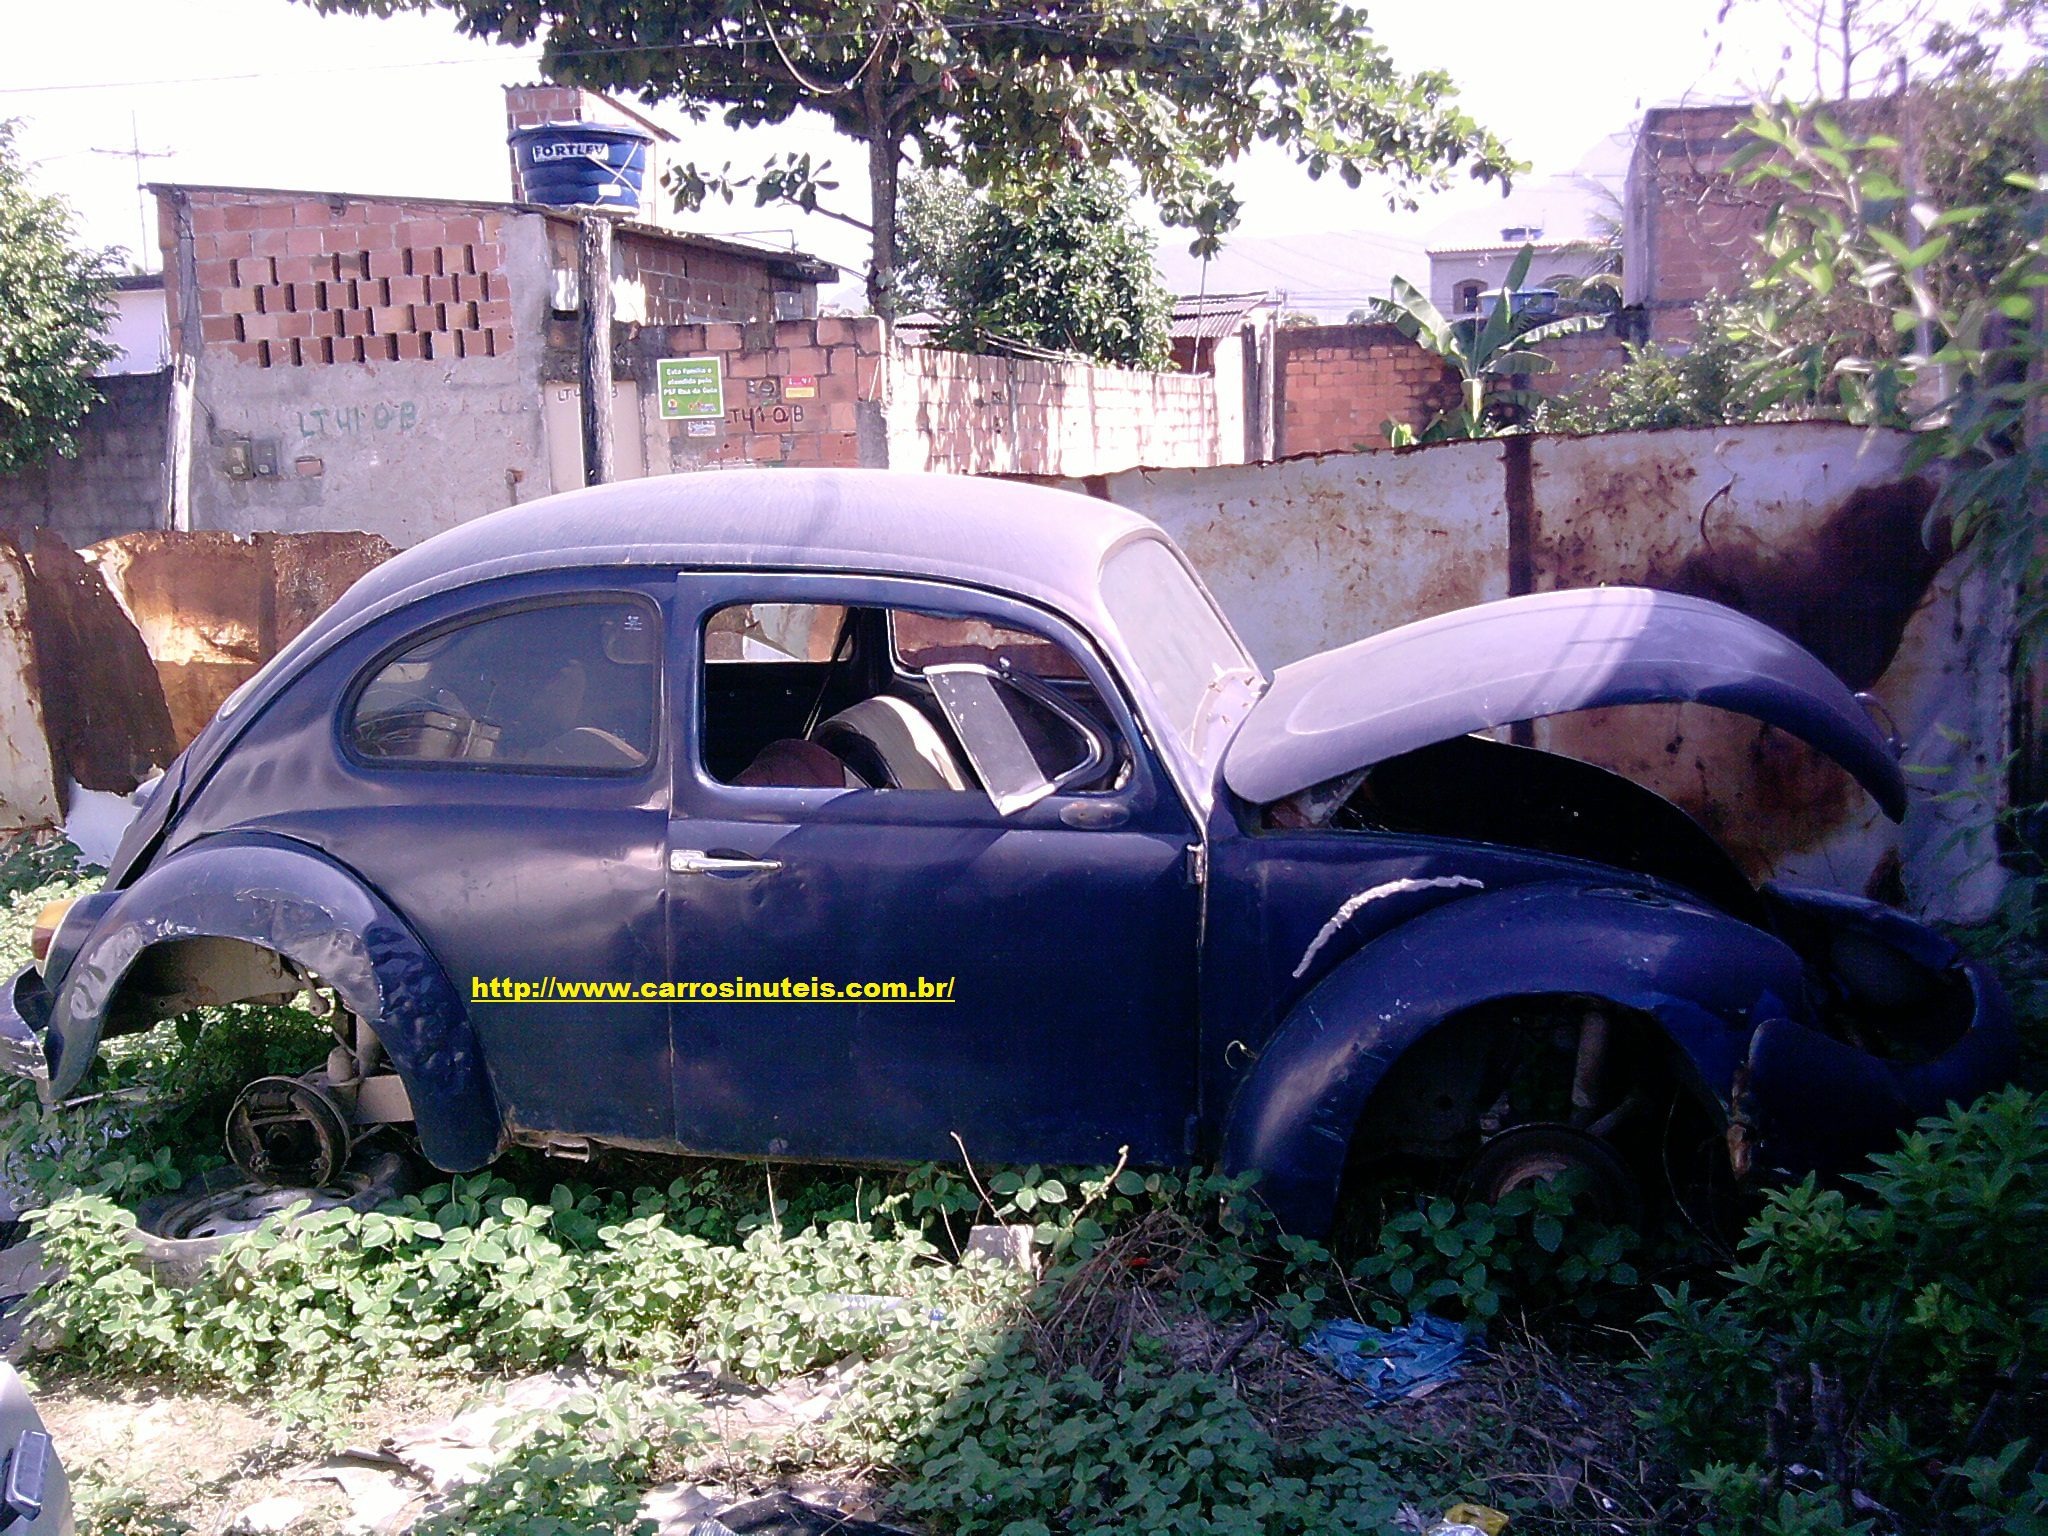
(1070, 271)
(938, 210)
(1487, 351)
(1710, 382)
(55, 303)
(1957, 354)
(1010, 91)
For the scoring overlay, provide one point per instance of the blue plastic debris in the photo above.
(1423, 1353)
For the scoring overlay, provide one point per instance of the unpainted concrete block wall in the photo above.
(299, 280)
(114, 483)
(362, 364)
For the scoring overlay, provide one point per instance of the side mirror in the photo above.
(28, 1471)
(1023, 740)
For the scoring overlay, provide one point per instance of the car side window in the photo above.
(835, 714)
(774, 632)
(921, 640)
(568, 687)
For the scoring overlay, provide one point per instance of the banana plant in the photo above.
(1485, 351)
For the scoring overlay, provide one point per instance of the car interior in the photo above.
(565, 685)
(818, 696)
(798, 695)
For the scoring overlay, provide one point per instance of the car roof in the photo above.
(1031, 540)
(1035, 542)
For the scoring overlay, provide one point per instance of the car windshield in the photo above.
(1180, 643)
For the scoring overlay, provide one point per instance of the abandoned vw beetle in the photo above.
(823, 815)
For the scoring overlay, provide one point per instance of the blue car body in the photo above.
(1222, 947)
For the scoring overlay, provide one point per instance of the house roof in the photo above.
(799, 265)
(1196, 317)
(1330, 272)
(1563, 208)
(1208, 316)
(1504, 248)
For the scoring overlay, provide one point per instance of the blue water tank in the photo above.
(581, 165)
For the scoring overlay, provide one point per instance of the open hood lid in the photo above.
(1549, 654)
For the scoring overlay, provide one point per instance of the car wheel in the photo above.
(1543, 1153)
(180, 1233)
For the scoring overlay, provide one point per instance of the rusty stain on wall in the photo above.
(1843, 588)
(1816, 530)
(213, 607)
(102, 704)
(31, 790)
(1812, 527)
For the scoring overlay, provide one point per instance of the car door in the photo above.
(504, 782)
(1043, 963)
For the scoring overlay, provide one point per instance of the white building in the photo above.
(1569, 219)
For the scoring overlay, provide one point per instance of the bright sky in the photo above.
(270, 93)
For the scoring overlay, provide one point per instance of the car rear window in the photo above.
(569, 687)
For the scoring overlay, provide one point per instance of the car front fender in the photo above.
(1705, 977)
(294, 900)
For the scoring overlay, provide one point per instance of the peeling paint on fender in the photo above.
(1356, 904)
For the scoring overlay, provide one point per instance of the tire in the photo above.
(1539, 1153)
(179, 1234)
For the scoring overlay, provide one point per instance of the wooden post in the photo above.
(594, 277)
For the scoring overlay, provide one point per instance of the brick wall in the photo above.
(1578, 359)
(961, 414)
(1338, 385)
(682, 286)
(665, 282)
(797, 392)
(1690, 226)
(832, 392)
(296, 280)
(115, 484)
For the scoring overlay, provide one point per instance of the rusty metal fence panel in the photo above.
(1813, 527)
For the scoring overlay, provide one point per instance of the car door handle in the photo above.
(1093, 813)
(694, 861)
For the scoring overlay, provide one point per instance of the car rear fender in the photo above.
(1703, 976)
(285, 897)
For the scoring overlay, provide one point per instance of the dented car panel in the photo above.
(1547, 654)
(288, 901)
(1705, 978)
(1221, 925)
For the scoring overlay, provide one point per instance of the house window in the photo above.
(1467, 294)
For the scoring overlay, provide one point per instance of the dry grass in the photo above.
(186, 1460)
(1560, 1432)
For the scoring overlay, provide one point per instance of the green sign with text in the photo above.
(692, 388)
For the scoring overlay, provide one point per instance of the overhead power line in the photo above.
(494, 60)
